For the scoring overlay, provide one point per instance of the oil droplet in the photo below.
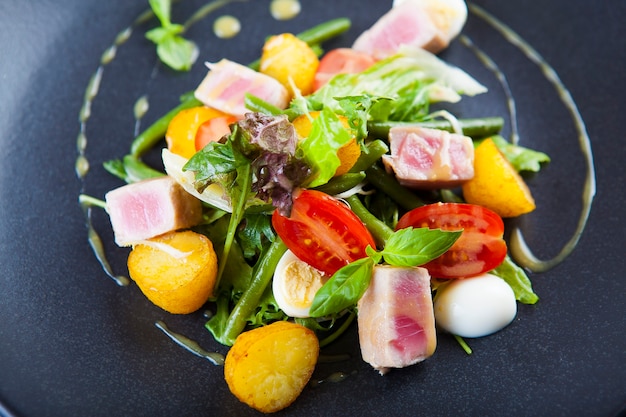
(108, 55)
(335, 377)
(82, 166)
(141, 107)
(123, 36)
(81, 143)
(284, 9)
(226, 27)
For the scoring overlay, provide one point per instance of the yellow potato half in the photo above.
(176, 271)
(268, 367)
(496, 184)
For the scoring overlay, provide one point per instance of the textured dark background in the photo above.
(72, 343)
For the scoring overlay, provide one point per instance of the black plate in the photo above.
(73, 343)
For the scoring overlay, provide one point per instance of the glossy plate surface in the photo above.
(73, 343)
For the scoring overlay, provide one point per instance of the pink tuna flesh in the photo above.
(150, 208)
(429, 158)
(396, 319)
(407, 24)
(225, 86)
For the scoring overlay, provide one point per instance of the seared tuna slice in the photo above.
(426, 24)
(149, 208)
(396, 319)
(225, 86)
(429, 158)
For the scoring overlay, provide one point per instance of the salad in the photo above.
(302, 193)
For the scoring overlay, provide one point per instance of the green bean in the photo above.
(474, 128)
(155, 132)
(385, 182)
(256, 104)
(317, 34)
(261, 277)
(137, 170)
(372, 153)
(342, 183)
(325, 31)
(379, 230)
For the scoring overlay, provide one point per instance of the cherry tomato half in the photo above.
(322, 231)
(481, 246)
(341, 61)
(212, 130)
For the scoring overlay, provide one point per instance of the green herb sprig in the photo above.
(173, 50)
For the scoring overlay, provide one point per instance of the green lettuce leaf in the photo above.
(411, 81)
(522, 159)
(518, 280)
(320, 148)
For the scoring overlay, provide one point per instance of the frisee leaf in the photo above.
(414, 247)
(343, 289)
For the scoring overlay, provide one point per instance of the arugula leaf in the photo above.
(343, 289)
(172, 49)
(216, 325)
(414, 247)
(518, 280)
(256, 232)
(523, 159)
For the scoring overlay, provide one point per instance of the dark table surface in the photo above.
(73, 343)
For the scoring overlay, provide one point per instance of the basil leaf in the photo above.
(518, 280)
(414, 247)
(343, 289)
(213, 161)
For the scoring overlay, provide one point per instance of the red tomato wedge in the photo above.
(481, 246)
(212, 130)
(322, 231)
(341, 61)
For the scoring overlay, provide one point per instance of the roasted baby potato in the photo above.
(268, 367)
(176, 271)
(288, 59)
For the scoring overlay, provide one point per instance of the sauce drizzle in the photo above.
(191, 345)
(491, 65)
(518, 247)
